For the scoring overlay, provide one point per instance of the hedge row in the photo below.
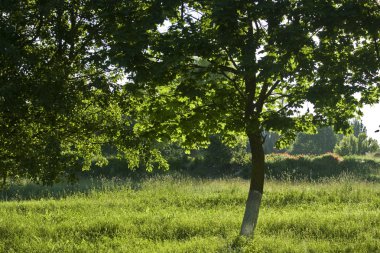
(279, 166)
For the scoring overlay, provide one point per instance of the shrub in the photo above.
(287, 166)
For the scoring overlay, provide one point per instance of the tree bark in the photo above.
(252, 207)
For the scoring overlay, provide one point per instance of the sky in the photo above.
(371, 119)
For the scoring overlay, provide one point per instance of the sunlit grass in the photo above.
(174, 214)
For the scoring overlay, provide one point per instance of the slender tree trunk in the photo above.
(4, 179)
(252, 207)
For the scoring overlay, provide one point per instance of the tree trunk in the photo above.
(4, 177)
(252, 207)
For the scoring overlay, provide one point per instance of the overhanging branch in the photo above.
(274, 86)
(234, 84)
(231, 58)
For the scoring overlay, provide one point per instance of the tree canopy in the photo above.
(58, 93)
(230, 66)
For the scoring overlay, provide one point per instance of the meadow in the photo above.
(175, 213)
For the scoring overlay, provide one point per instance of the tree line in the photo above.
(325, 140)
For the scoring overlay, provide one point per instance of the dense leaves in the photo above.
(57, 94)
(245, 66)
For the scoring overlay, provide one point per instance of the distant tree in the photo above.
(271, 139)
(352, 145)
(347, 146)
(217, 156)
(322, 142)
(366, 144)
(358, 127)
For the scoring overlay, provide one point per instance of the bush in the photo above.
(285, 166)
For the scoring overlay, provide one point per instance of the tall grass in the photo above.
(180, 214)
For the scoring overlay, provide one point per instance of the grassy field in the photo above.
(174, 214)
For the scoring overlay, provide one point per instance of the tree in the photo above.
(322, 142)
(358, 127)
(347, 146)
(352, 145)
(57, 94)
(239, 67)
(217, 155)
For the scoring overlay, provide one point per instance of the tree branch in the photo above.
(264, 94)
(231, 58)
(225, 68)
(286, 106)
(274, 86)
(37, 32)
(235, 84)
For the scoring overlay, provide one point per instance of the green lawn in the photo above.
(173, 214)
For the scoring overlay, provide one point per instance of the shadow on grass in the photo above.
(84, 186)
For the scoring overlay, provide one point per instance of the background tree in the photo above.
(352, 145)
(58, 94)
(347, 146)
(269, 145)
(218, 155)
(358, 127)
(239, 67)
(322, 142)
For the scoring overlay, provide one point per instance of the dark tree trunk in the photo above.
(252, 207)
(4, 179)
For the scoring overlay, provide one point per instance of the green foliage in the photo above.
(202, 216)
(217, 155)
(56, 102)
(241, 67)
(285, 166)
(279, 166)
(218, 158)
(322, 142)
(348, 145)
(358, 127)
(351, 145)
(366, 144)
(60, 98)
